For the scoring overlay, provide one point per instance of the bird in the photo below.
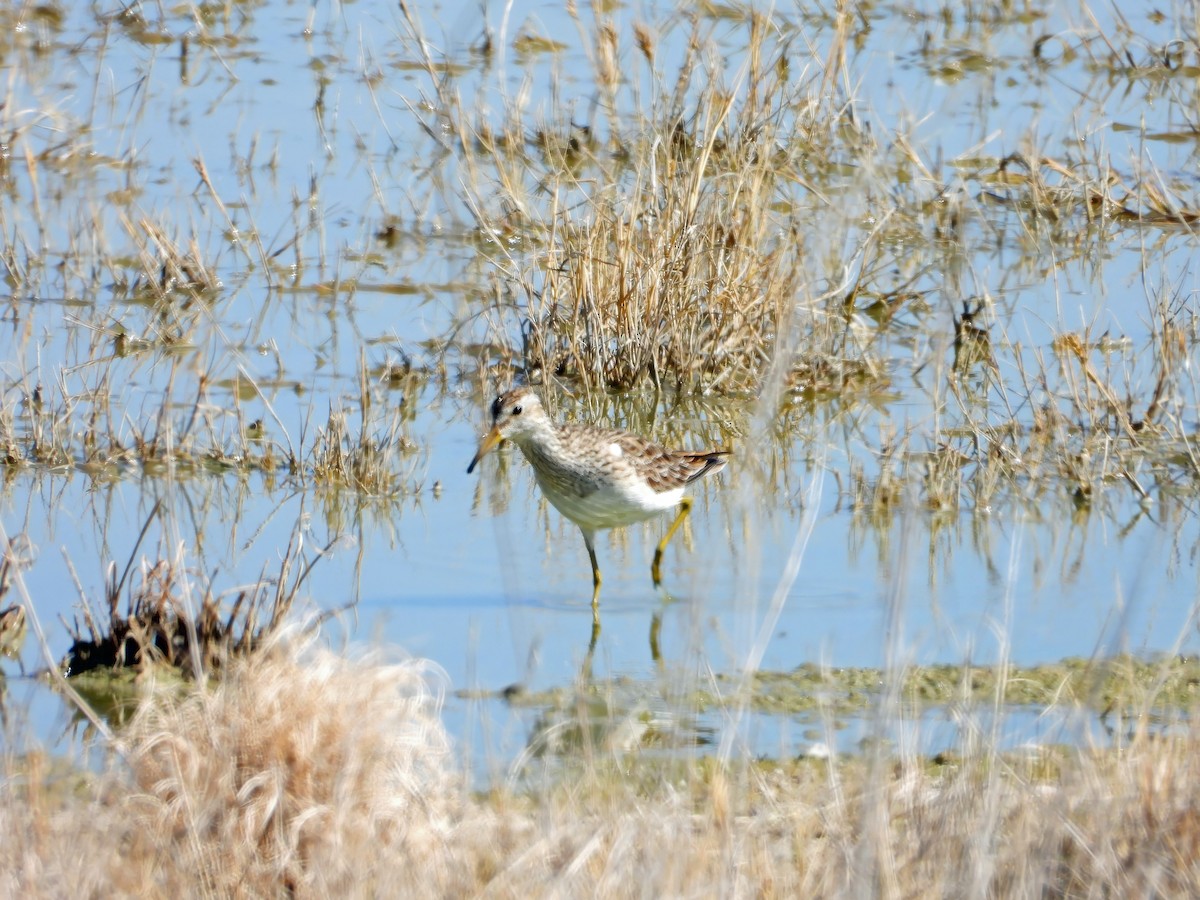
(598, 477)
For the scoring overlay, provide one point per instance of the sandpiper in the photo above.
(598, 477)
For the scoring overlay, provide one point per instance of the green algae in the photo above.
(1154, 686)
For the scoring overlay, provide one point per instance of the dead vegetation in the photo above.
(736, 224)
(78, 423)
(298, 773)
(661, 243)
(311, 774)
(173, 619)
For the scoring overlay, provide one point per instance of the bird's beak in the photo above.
(490, 440)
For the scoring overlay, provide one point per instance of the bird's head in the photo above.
(514, 413)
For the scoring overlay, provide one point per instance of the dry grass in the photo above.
(163, 623)
(709, 221)
(80, 421)
(300, 772)
(363, 461)
(307, 774)
(661, 243)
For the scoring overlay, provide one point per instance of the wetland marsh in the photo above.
(926, 270)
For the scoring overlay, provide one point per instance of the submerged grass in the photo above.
(79, 422)
(1122, 686)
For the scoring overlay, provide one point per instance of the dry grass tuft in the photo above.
(164, 624)
(366, 462)
(660, 243)
(300, 773)
(308, 774)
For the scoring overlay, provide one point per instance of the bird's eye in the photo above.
(516, 410)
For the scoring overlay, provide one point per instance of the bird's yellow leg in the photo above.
(685, 507)
(595, 581)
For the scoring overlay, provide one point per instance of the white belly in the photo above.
(610, 506)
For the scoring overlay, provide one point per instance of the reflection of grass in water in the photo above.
(365, 445)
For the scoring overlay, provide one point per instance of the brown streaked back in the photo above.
(665, 470)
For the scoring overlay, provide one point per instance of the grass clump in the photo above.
(300, 772)
(661, 242)
(163, 624)
(366, 462)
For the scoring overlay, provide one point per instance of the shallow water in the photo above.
(311, 127)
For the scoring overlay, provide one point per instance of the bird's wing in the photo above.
(663, 469)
